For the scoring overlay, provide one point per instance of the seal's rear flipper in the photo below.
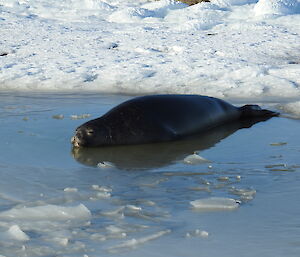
(248, 111)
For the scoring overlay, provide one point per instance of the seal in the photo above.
(158, 118)
(157, 155)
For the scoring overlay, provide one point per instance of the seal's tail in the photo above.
(250, 111)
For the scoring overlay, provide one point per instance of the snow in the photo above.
(292, 108)
(276, 7)
(225, 48)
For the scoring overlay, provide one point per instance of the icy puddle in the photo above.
(233, 193)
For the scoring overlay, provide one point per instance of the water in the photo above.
(139, 204)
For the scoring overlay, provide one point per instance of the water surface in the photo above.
(141, 205)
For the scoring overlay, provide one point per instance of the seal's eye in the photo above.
(90, 132)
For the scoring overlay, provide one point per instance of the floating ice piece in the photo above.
(197, 233)
(98, 237)
(48, 212)
(133, 207)
(245, 194)
(101, 188)
(115, 213)
(215, 204)
(115, 232)
(278, 144)
(71, 189)
(80, 116)
(114, 229)
(103, 195)
(58, 116)
(105, 164)
(15, 233)
(195, 159)
(223, 178)
(135, 242)
(63, 241)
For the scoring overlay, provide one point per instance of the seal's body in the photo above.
(158, 118)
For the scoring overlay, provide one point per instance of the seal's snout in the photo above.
(78, 139)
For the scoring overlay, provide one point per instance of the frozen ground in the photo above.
(139, 200)
(226, 48)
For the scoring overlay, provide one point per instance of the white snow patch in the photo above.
(197, 17)
(277, 7)
(225, 48)
(292, 108)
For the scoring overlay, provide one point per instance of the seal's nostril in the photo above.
(79, 134)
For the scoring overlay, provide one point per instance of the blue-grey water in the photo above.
(141, 205)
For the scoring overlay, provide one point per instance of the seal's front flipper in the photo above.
(248, 111)
(171, 134)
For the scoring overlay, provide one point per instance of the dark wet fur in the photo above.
(160, 118)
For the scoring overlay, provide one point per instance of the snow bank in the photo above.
(292, 109)
(150, 12)
(277, 7)
(225, 48)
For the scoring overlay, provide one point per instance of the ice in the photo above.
(135, 242)
(245, 194)
(15, 233)
(197, 233)
(58, 116)
(105, 164)
(194, 159)
(103, 195)
(80, 116)
(48, 212)
(101, 188)
(133, 207)
(215, 204)
(71, 190)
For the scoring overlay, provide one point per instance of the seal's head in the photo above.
(89, 134)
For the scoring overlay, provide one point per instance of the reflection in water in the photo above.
(148, 156)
